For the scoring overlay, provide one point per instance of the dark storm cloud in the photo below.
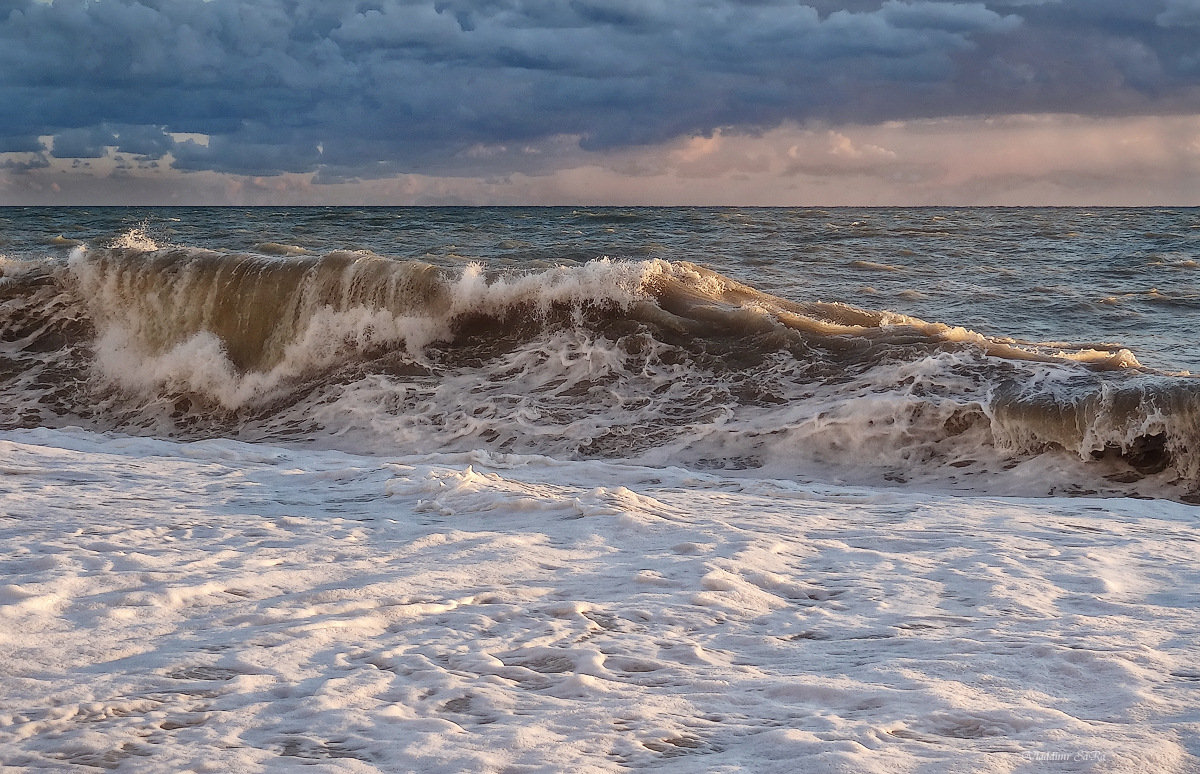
(1180, 13)
(365, 89)
(88, 143)
(21, 144)
(149, 142)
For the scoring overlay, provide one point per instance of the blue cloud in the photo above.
(356, 88)
(21, 144)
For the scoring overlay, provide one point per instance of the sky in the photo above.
(723, 102)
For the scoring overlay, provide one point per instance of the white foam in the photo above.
(599, 280)
(15, 267)
(229, 606)
(135, 238)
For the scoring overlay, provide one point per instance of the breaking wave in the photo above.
(663, 362)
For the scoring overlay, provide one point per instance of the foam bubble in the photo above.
(135, 238)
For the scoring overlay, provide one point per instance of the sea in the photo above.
(598, 489)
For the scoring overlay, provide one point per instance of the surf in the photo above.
(666, 362)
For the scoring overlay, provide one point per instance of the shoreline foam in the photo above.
(219, 605)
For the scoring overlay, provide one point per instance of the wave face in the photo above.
(664, 362)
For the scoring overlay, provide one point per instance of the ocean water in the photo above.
(384, 489)
(970, 350)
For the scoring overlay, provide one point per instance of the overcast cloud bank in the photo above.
(341, 92)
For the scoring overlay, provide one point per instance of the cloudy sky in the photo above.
(790, 102)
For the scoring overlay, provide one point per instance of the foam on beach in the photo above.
(228, 606)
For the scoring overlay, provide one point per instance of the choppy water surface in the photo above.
(1031, 350)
